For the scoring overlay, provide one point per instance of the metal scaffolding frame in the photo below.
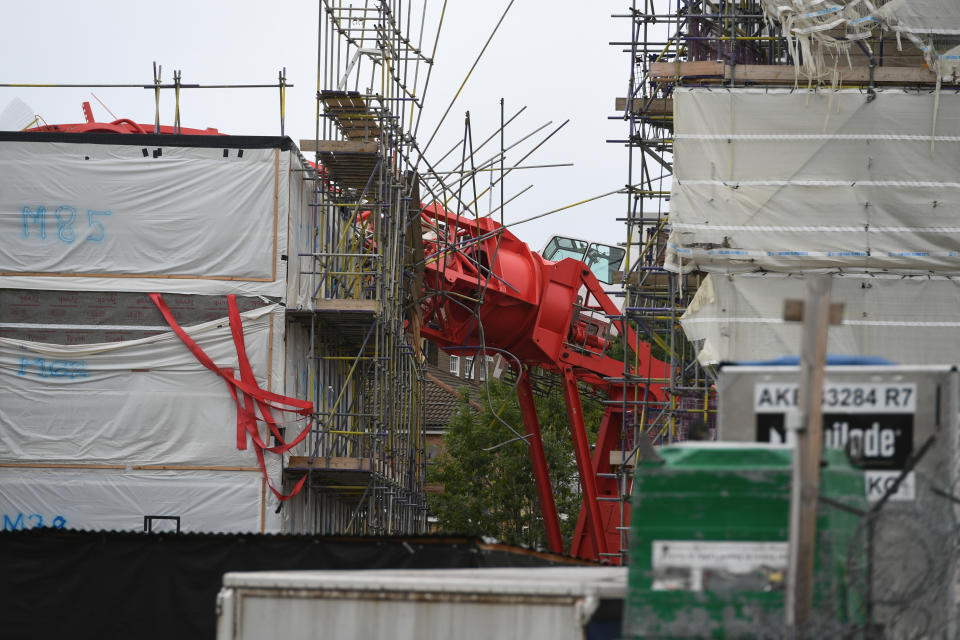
(667, 31)
(366, 460)
(711, 44)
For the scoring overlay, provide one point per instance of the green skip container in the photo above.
(708, 535)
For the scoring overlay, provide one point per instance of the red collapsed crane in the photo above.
(120, 125)
(484, 287)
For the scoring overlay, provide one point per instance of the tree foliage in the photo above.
(492, 492)
(618, 351)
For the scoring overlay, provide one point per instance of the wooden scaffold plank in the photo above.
(352, 114)
(712, 72)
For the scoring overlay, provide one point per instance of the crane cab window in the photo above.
(602, 259)
(559, 248)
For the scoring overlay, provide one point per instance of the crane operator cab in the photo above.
(604, 260)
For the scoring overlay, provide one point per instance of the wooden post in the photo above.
(808, 446)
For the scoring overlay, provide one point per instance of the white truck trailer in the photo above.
(555, 603)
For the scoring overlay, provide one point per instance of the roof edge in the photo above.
(217, 141)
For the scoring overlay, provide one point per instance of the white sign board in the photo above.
(876, 419)
(882, 397)
(684, 564)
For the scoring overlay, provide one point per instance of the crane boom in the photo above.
(484, 287)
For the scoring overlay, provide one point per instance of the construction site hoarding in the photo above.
(784, 179)
(905, 319)
(180, 214)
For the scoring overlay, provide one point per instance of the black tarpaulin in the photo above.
(79, 584)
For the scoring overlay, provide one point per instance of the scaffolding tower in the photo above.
(662, 34)
(723, 44)
(366, 455)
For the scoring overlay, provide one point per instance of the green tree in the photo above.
(616, 349)
(490, 489)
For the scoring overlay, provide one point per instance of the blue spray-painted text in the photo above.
(34, 221)
(31, 521)
(43, 368)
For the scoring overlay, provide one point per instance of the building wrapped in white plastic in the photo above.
(773, 183)
(107, 419)
(905, 319)
(208, 215)
(782, 180)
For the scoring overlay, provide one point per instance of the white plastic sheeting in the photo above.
(135, 402)
(301, 277)
(815, 27)
(908, 320)
(107, 217)
(922, 17)
(82, 217)
(118, 500)
(782, 180)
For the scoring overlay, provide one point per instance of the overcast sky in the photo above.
(552, 57)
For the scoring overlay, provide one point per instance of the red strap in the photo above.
(241, 420)
(246, 373)
(249, 422)
(303, 407)
(253, 395)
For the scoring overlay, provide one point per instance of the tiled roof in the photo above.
(440, 400)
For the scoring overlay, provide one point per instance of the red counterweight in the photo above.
(484, 286)
(120, 125)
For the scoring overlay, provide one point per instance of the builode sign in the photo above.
(876, 419)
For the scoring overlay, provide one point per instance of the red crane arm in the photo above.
(483, 286)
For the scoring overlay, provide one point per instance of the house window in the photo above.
(432, 353)
(455, 365)
(468, 368)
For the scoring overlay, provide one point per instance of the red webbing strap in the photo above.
(247, 386)
(246, 374)
(302, 407)
(258, 447)
(241, 417)
(246, 371)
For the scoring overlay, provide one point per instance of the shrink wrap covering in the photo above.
(118, 500)
(132, 216)
(784, 180)
(136, 402)
(908, 320)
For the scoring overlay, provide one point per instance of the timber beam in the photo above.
(782, 74)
